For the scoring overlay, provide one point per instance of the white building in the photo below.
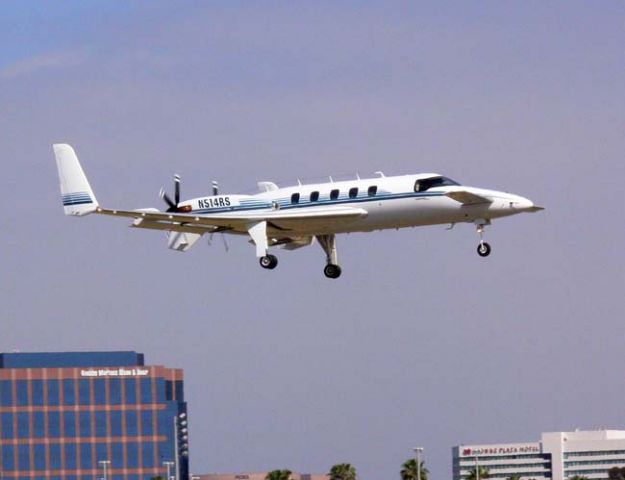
(558, 456)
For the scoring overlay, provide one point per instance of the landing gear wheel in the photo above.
(483, 249)
(269, 261)
(332, 271)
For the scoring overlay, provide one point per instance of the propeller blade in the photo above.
(215, 188)
(166, 198)
(177, 189)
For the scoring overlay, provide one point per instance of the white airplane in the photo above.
(295, 216)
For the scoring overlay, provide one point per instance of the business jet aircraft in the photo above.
(293, 217)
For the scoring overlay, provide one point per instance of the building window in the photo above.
(117, 455)
(55, 456)
(84, 396)
(37, 386)
(40, 457)
(132, 454)
(22, 392)
(160, 390)
(8, 462)
(334, 194)
(100, 424)
(6, 394)
(146, 390)
(68, 392)
(85, 424)
(38, 425)
(131, 423)
(54, 424)
(99, 391)
(86, 460)
(22, 425)
(148, 455)
(7, 426)
(101, 452)
(295, 198)
(116, 423)
(353, 192)
(146, 423)
(179, 391)
(372, 191)
(23, 457)
(169, 390)
(69, 424)
(314, 196)
(115, 391)
(53, 392)
(130, 390)
(70, 456)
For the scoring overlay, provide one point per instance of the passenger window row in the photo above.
(372, 191)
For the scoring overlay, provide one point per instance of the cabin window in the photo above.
(373, 190)
(295, 198)
(353, 192)
(427, 183)
(314, 196)
(334, 194)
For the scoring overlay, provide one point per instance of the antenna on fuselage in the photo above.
(330, 177)
(380, 173)
(215, 188)
(358, 175)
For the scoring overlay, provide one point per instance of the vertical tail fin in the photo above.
(76, 193)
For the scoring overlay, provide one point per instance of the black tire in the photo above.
(269, 261)
(332, 271)
(483, 249)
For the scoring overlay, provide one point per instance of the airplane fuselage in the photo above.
(389, 202)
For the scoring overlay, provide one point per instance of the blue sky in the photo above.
(420, 342)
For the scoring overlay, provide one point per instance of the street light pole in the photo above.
(418, 451)
(105, 464)
(168, 465)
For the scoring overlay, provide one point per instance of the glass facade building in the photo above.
(70, 416)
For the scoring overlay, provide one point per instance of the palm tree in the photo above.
(342, 471)
(409, 470)
(279, 475)
(484, 473)
(514, 476)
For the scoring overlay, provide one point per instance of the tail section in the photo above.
(76, 193)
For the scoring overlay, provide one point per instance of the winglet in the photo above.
(76, 193)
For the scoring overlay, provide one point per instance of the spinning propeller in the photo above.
(173, 205)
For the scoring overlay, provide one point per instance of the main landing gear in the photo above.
(328, 243)
(483, 249)
(269, 261)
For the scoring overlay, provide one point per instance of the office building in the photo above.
(86, 415)
(558, 456)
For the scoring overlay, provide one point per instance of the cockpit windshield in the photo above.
(426, 183)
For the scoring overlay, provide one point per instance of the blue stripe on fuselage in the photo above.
(285, 203)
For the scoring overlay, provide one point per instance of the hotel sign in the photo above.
(115, 372)
(499, 450)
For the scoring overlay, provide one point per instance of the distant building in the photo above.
(558, 456)
(257, 476)
(68, 416)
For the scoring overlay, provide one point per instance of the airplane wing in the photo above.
(467, 198)
(238, 221)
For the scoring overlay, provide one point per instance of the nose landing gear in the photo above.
(483, 249)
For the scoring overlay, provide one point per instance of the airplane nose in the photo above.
(521, 203)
